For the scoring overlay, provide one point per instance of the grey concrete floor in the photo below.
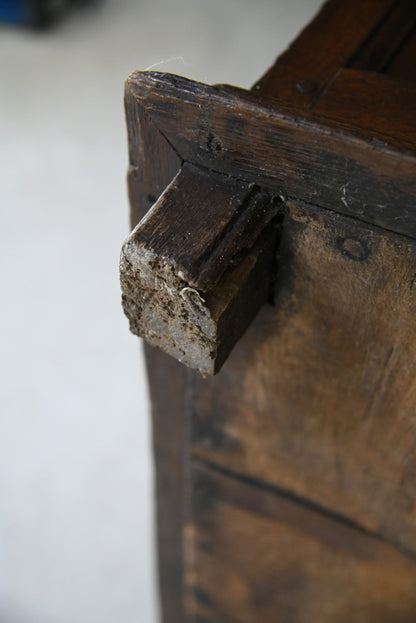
(76, 509)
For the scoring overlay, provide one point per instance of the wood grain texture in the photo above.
(302, 72)
(338, 168)
(198, 267)
(318, 398)
(385, 42)
(153, 163)
(403, 64)
(256, 556)
(372, 103)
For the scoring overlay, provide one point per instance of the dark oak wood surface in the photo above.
(328, 376)
(167, 382)
(301, 74)
(381, 99)
(167, 377)
(403, 65)
(386, 42)
(256, 556)
(286, 484)
(327, 163)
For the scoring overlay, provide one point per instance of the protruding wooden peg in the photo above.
(199, 265)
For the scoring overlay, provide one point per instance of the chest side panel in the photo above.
(259, 556)
(319, 396)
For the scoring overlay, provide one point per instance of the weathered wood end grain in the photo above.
(198, 266)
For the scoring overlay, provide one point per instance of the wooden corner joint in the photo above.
(199, 265)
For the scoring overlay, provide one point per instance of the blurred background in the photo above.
(76, 506)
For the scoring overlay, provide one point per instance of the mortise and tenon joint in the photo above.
(198, 266)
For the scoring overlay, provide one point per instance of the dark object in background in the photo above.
(34, 13)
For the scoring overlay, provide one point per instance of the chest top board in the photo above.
(273, 260)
